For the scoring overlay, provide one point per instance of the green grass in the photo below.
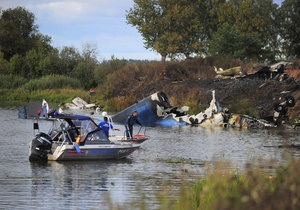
(255, 188)
(54, 97)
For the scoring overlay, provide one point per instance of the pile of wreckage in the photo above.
(40, 109)
(36, 109)
(275, 71)
(79, 103)
(158, 109)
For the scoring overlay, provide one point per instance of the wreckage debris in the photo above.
(275, 71)
(36, 109)
(280, 109)
(79, 103)
(158, 109)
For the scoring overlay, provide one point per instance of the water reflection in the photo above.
(81, 183)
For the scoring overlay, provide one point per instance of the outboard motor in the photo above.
(40, 147)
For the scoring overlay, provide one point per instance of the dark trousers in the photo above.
(129, 131)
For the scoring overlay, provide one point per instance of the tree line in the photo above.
(26, 53)
(251, 30)
(241, 29)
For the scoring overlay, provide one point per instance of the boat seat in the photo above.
(73, 134)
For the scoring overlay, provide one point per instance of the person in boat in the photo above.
(130, 121)
(106, 126)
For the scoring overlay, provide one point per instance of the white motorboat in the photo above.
(76, 137)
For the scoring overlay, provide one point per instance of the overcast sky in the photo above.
(98, 22)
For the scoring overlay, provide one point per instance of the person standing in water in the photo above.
(130, 121)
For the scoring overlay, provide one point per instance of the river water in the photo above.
(172, 154)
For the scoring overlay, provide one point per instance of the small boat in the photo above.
(76, 137)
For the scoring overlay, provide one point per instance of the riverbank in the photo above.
(13, 98)
(188, 83)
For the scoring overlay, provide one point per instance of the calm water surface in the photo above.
(170, 155)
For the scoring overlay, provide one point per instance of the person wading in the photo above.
(130, 121)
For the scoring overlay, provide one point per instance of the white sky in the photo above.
(98, 22)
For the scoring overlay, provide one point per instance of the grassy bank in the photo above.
(54, 97)
(259, 187)
(263, 186)
(187, 83)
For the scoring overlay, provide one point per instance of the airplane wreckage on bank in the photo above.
(158, 109)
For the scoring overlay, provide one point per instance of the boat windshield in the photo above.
(87, 126)
(80, 126)
(86, 129)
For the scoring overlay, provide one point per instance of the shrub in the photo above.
(11, 81)
(59, 96)
(244, 106)
(52, 82)
(54, 97)
(118, 103)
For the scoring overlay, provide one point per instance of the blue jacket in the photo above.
(105, 126)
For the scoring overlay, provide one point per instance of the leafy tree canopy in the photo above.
(177, 27)
(290, 30)
(19, 33)
(171, 27)
(230, 41)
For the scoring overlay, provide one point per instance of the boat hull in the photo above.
(138, 139)
(92, 152)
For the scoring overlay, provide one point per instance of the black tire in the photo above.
(278, 107)
(290, 101)
(192, 121)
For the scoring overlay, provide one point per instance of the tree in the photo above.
(86, 68)
(3, 64)
(231, 42)
(252, 17)
(69, 59)
(15, 65)
(108, 67)
(28, 51)
(202, 23)
(290, 27)
(17, 29)
(85, 73)
(147, 17)
(172, 27)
